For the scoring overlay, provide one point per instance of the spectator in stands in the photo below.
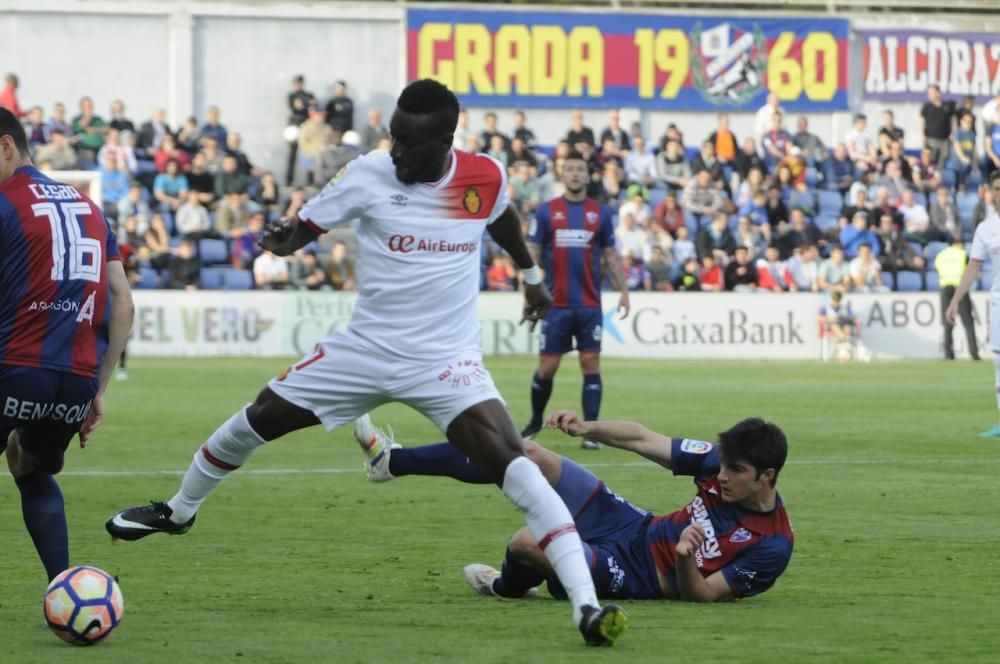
(114, 186)
(866, 272)
(123, 152)
(764, 119)
(268, 195)
(230, 180)
(636, 205)
(35, 128)
(472, 144)
(856, 233)
(640, 165)
(306, 273)
(936, 123)
(701, 199)
(707, 161)
(751, 184)
(231, 214)
(944, 215)
(170, 187)
(748, 159)
(610, 191)
(834, 273)
(527, 190)
(860, 146)
(658, 269)
(776, 140)
(188, 136)
(339, 269)
(615, 132)
(659, 237)
(838, 320)
(635, 131)
(234, 149)
(579, 133)
(295, 202)
(950, 264)
(118, 121)
(58, 120)
(888, 133)
(804, 199)
(343, 150)
(983, 206)
(491, 132)
(157, 243)
(801, 271)
(168, 150)
(917, 221)
(896, 252)
(59, 152)
(191, 218)
(497, 150)
(963, 148)
(89, 131)
(373, 132)
(299, 101)
(893, 183)
(689, 279)
(213, 155)
(801, 233)
(711, 276)
(152, 133)
(636, 275)
(246, 239)
(755, 210)
(135, 205)
(213, 128)
(991, 145)
(502, 275)
(723, 141)
(200, 180)
(522, 132)
(750, 236)
(860, 204)
(770, 270)
(926, 178)
(989, 112)
(668, 214)
(672, 167)
(520, 154)
(715, 239)
(185, 268)
(8, 96)
(812, 148)
(630, 238)
(840, 173)
(882, 205)
(270, 272)
(684, 247)
(340, 108)
(777, 211)
(740, 274)
(315, 136)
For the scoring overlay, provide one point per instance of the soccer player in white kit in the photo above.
(413, 338)
(985, 245)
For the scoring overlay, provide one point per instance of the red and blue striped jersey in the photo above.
(54, 249)
(750, 548)
(571, 236)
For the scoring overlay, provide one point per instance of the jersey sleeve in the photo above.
(696, 458)
(113, 253)
(539, 233)
(342, 199)
(503, 195)
(758, 568)
(979, 249)
(607, 238)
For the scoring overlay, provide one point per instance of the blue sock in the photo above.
(541, 390)
(516, 578)
(440, 459)
(592, 391)
(45, 518)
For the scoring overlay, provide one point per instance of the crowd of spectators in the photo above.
(774, 211)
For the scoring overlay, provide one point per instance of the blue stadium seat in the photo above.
(656, 196)
(933, 249)
(237, 280)
(210, 279)
(948, 178)
(887, 280)
(825, 222)
(966, 202)
(812, 177)
(931, 280)
(213, 252)
(147, 278)
(909, 281)
(830, 202)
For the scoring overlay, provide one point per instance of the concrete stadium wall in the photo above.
(186, 56)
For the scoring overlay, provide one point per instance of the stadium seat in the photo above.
(148, 278)
(933, 249)
(966, 203)
(908, 281)
(213, 252)
(825, 222)
(656, 196)
(931, 280)
(830, 202)
(887, 280)
(237, 279)
(948, 178)
(210, 279)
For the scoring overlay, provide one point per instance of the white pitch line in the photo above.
(626, 464)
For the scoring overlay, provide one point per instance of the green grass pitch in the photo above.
(893, 497)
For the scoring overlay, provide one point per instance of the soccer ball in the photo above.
(83, 605)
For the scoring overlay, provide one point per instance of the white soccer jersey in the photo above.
(418, 249)
(986, 245)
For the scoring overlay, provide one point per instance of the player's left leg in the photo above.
(588, 342)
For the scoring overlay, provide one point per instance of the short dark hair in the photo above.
(428, 97)
(578, 156)
(761, 444)
(11, 126)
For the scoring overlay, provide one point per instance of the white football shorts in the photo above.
(344, 378)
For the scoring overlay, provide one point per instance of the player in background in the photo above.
(731, 541)
(985, 245)
(65, 312)
(570, 236)
(413, 338)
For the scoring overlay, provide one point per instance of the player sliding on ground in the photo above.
(414, 336)
(731, 541)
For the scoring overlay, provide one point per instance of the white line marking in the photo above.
(626, 464)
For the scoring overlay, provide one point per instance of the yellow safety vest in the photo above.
(950, 265)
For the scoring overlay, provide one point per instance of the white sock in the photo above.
(996, 368)
(552, 527)
(227, 449)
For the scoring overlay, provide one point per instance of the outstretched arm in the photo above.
(506, 231)
(630, 436)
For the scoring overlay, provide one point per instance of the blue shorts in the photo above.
(561, 326)
(46, 408)
(612, 532)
